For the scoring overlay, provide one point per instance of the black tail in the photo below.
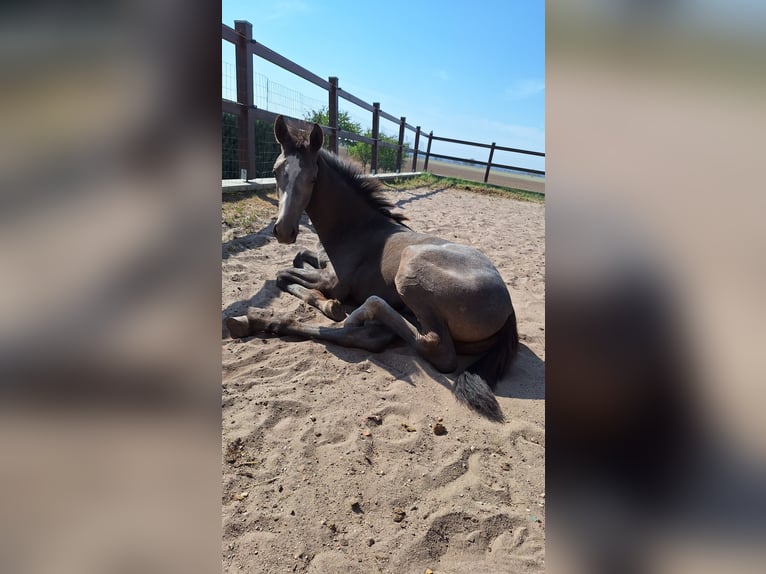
(474, 386)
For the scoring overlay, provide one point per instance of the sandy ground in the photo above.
(330, 463)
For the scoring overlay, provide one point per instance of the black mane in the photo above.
(368, 187)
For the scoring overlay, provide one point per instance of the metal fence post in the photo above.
(401, 145)
(246, 125)
(428, 150)
(332, 112)
(489, 162)
(415, 151)
(375, 134)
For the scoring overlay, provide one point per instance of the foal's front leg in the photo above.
(317, 259)
(314, 286)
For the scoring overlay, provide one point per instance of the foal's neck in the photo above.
(338, 210)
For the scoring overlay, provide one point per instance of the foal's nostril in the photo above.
(279, 232)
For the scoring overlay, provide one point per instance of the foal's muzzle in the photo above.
(284, 236)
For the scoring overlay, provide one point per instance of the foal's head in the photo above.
(296, 172)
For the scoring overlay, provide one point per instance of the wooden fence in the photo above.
(247, 113)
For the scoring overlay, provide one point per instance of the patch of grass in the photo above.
(431, 181)
(248, 210)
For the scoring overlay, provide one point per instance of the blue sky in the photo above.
(466, 70)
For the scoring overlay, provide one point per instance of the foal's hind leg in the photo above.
(311, 286)
(370, 337)
(432, 340)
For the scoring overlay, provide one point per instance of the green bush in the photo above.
(362, 152)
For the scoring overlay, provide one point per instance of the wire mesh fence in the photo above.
(229, 147)
(228, 82)
(269, 96)
(280, 99)
(266, 148)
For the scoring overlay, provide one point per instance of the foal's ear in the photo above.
(316, 139)
(280, 130)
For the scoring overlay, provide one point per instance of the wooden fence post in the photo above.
(428, 150)
(333, 113)
(489, 162)
(375, 134)
(415, 151)
(401, 145)
(246, 125)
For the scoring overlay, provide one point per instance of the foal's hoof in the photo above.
(261, 321)
(333, 309)
(298, 260)
(282, 280)
(238, 327)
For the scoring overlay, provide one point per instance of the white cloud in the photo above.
(524, 88)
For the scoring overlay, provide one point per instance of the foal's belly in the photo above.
(369, 281)
(376, 273)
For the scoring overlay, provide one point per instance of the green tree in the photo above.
(387, 155)
(322, 117)
(362, 152)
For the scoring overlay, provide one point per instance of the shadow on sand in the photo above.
(525, 380)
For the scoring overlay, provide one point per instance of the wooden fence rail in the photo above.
(247, 113)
